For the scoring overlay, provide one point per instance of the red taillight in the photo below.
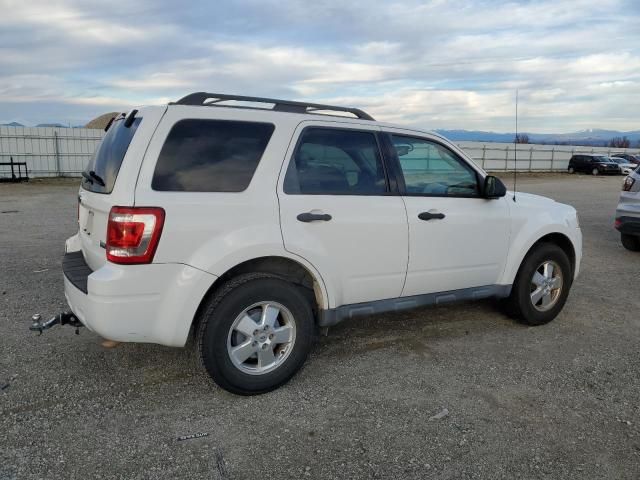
(133, 234)
(628, 183)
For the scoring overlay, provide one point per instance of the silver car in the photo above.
(625, 165)
(628, 212)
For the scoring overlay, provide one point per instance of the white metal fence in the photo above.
(48, 151)
(530, 157)
(52, 152)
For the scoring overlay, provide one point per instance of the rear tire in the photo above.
(255, 333)
(630, 242)
(537, 297)
(595, 171)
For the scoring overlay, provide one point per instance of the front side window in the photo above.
(210, 156)
(331, 161)
(432, 169)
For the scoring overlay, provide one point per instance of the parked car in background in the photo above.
(596, 164)
(626, 166)
(628, 212)
(627, 156)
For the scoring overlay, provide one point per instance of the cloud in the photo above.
(434, 64)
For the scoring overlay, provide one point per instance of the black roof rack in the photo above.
(211, 99)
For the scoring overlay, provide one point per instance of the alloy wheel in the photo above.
(261, 338)
(546, 285)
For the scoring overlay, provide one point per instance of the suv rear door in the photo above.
(338, 212)
(115, 167)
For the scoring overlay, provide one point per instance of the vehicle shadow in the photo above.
(414, 331)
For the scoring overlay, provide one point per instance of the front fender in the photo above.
(527, 236)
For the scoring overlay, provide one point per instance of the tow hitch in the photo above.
(64, 318)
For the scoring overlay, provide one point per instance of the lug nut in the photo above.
(271, 336)
(264, 347)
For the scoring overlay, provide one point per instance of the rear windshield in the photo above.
(210, 156)
(100, 175)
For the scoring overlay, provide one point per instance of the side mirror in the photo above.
(493, 187)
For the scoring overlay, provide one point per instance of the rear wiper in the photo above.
(97, 178)
(87, 177)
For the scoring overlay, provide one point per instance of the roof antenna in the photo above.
(515, 152)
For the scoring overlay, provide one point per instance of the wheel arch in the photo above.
(285, 267)
(563, 242)
(556, 238)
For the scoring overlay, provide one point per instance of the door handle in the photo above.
(430, 216)
(312, 217)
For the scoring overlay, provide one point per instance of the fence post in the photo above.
(553, 151)
(506, 159)
(13, 175)
(484, 152)
(530, 157)
(57, 151)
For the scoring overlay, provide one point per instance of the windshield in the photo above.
(601, 159)
(100, 175)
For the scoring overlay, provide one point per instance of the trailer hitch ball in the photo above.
(64, 318)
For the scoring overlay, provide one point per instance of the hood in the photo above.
(530, 198)
(527, 202)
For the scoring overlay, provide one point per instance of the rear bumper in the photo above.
(628, 225)
(153, 303)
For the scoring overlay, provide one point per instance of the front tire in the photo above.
(541, 286)
(255, 333)
(630, 242)
(572, 170)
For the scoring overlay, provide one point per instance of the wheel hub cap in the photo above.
(546, 285)
(261, 338)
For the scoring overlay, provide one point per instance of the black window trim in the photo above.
(173, 192)
(391, 187)
(394, 160)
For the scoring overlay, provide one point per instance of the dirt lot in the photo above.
(558, 401)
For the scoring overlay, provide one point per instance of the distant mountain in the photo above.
(12, 124)
(584, 137)
(57, 125)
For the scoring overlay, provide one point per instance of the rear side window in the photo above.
(210, 156)
(105, 164)
(336, 162)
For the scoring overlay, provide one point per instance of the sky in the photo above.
(430, 64)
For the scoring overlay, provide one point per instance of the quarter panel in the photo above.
(214, 231)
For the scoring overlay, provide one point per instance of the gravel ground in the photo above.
(558, 401)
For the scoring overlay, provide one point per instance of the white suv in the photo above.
(251, 225)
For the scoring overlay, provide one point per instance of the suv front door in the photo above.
(457, 239)
(337, 211)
